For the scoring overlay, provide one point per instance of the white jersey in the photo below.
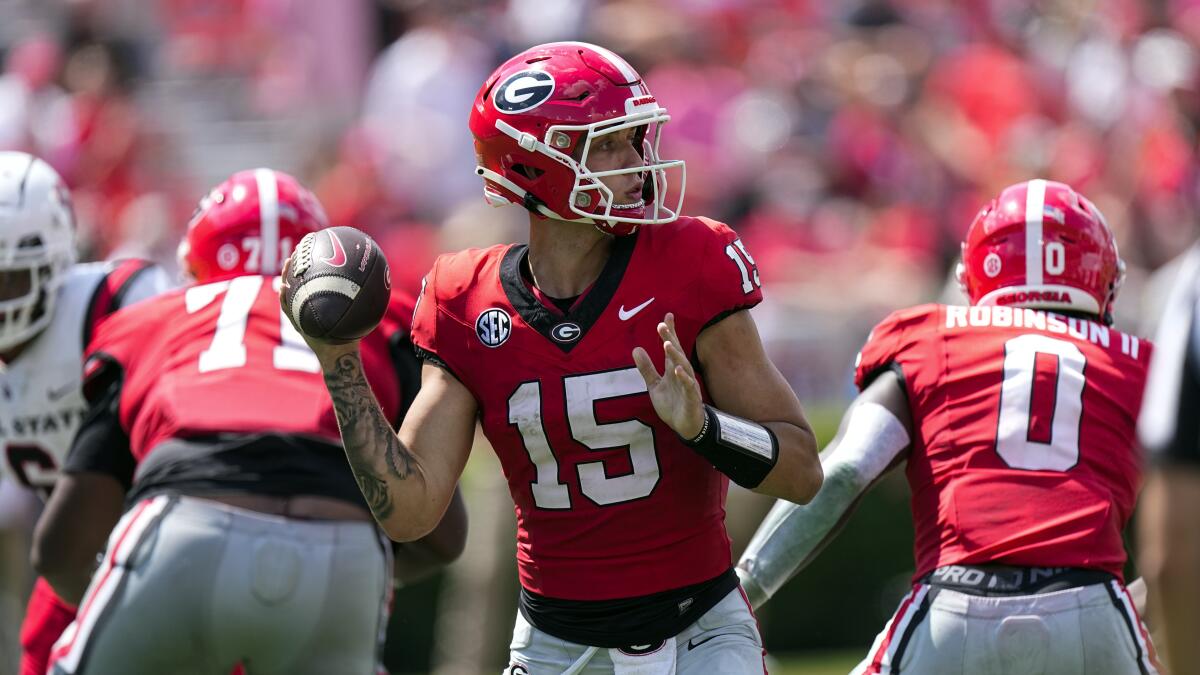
(41, 403)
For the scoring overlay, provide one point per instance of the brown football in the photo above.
(337, 285)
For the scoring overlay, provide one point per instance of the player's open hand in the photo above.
(675, 393)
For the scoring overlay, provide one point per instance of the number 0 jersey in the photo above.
(1024, 421)
(610, 503)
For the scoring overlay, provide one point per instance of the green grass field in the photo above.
(817, 663)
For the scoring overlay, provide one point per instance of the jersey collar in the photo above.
(558, 329)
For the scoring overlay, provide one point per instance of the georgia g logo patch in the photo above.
(493, 327)
(566, 332)
(523, 91)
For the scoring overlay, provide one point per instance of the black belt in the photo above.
(643, 621)
(1006, 580)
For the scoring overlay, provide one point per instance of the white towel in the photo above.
(659, 661)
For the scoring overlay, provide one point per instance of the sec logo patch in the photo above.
(992, 265)
(493, 327)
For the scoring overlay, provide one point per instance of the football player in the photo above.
(1169, 428)
(616, 371)
(1016, 418)
(246, 539)
(49, 307)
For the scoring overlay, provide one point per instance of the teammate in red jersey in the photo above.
(49, 307)
(246, 539)
(1016, 417)
(623, 555)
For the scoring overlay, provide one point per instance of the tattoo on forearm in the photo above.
(366, 435)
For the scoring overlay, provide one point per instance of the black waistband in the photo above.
(262, 464)
(627, 621)
(1006, 580)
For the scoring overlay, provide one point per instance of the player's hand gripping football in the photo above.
(325, 351)
(675, 393)
(334, 289)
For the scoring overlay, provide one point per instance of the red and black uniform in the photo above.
(1024, 451)
(620, 526)
(209, 389)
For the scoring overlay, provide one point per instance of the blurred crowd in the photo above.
(850, 143)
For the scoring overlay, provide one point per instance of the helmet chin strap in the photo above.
(528, 200)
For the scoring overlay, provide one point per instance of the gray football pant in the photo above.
(725, 640)
(193, 587)
(1090, 630)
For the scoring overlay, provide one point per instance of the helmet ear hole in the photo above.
(30, 241)
(530, 172)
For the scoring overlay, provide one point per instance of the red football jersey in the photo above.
(610, 504)
(222, 357)
(1024, 451)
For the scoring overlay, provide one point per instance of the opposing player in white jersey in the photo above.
(48, 308)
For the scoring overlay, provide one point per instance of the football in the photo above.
(336, 285)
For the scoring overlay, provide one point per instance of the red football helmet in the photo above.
(551, 101)
(249, 225)
(1042, 245)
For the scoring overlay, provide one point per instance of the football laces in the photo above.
(302, 257)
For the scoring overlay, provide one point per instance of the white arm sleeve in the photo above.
(791, 534)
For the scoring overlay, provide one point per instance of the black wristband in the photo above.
(743, 450)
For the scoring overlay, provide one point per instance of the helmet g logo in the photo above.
(523, 91)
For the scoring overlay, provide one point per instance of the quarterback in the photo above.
(615, 370)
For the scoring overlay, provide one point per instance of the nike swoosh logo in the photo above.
(59, 392)
(338, 258)
(692, 644)
(628, 314)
